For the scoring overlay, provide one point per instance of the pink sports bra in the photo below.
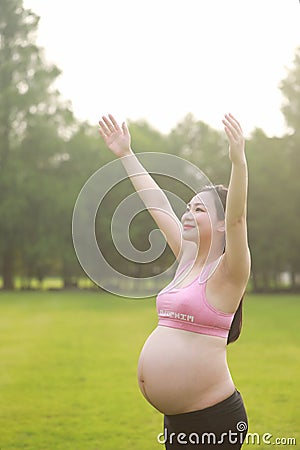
(187, 309)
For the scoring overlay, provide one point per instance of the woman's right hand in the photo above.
(117, 139)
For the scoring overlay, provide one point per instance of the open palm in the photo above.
(236, 139)
(116, 138)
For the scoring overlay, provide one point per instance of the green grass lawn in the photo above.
(69, 361)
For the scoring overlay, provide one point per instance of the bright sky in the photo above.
(161, 59)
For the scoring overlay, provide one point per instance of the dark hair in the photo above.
(236, 325)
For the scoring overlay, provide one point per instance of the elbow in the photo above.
(238, 221)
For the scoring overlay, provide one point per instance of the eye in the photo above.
(200, 209)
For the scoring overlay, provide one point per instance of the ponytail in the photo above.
(236, 325)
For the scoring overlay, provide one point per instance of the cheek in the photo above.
(203, 220)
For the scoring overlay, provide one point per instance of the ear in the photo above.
(221, 226)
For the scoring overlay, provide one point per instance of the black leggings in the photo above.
(222, 426)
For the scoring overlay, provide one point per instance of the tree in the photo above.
(203, 146)
(290, 88)
(29, 107)
(268, 208)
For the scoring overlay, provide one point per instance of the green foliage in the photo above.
(39, 139)
(144, 138)
(290, 88)
(200, 144)
(46, 156)
(29, 138)
(268, 210)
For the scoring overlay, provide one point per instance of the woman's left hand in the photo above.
(236, 139)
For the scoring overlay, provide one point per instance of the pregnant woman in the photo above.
(182, 369)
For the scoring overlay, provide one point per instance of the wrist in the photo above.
(240, 162)
(128, 152)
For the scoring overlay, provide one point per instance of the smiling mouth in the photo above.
(186, 227)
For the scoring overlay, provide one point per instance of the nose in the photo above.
(188, 215)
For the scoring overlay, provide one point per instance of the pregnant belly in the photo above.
(180, 371)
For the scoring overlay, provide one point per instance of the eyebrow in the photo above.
(202, 204)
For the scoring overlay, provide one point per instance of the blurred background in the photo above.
(171, 68)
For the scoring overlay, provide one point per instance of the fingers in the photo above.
(234, 119)
(104, 131)
(114, 122)
(125, 129)
(230, 123)
(234, 123)
(102, 134)
(108, 126)
(232, 126)
(230, 130)
(229, 134)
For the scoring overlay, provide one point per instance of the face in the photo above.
(200, 218)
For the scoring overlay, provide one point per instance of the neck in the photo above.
(208, 254)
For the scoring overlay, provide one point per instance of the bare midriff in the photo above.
(180, 371)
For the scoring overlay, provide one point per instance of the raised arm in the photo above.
(237, 254)
(118, 140)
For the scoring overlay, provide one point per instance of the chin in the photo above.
(190, 239)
